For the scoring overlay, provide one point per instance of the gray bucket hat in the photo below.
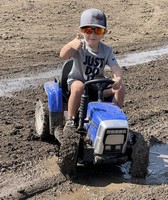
(93, 17)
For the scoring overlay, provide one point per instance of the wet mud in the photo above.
(30, 43)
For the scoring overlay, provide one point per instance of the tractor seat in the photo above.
(63, 79)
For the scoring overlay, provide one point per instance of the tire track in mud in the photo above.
(8, 86)
(28, 182)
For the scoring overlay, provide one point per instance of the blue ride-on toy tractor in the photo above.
(100, 133)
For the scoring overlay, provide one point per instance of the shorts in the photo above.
(93, 93)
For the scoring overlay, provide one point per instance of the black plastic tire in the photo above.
(41, 119)
(140, 156)
(68, 152)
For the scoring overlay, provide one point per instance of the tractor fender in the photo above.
(55, 105)
(54, 93)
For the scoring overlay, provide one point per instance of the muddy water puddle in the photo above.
(158, 166)
(92, 183)
(157, 170)
(7, 86)
(99, 183)
(142, 57)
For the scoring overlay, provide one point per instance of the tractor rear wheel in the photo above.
(139, 156)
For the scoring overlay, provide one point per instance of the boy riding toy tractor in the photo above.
(100, 134)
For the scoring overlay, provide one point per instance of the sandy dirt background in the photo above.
(32, 33)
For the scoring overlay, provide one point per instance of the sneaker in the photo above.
(70, 123)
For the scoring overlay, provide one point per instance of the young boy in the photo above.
(90, 56)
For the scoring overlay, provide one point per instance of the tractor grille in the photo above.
(114, 139)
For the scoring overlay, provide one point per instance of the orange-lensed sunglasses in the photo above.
(89, 30)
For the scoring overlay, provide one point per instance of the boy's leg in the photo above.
(75, 98)
(119, 95)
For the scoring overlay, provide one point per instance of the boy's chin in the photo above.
(92, 42)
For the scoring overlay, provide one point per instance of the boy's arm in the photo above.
(68, 50)
(118, 76)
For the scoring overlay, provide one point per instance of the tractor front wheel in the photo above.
(68, 152)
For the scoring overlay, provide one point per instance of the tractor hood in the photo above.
(101, 111)
(104, 114)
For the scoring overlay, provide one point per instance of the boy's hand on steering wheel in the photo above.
(117, 83)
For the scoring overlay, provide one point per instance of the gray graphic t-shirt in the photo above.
(88, 65)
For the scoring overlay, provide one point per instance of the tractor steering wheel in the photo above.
(101, 85)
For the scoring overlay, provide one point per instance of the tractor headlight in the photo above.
(118, 147)
(108, 148)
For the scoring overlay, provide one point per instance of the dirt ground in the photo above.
(32, 33)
